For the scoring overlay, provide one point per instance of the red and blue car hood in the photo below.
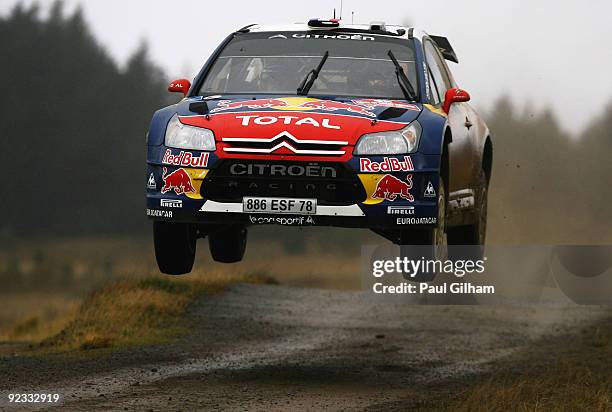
(288, 127)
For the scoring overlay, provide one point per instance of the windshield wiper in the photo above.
(402, 79)
(311, 77)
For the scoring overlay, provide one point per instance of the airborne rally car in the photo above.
(318, 124)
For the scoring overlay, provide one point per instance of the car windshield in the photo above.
(277, 63)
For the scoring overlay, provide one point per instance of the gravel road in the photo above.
(261, 347)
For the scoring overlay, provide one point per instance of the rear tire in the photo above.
(228, 245)
(175, 247)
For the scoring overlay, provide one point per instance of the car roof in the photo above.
(255, 28)
(373, 29)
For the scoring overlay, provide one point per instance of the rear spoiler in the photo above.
(445, 48)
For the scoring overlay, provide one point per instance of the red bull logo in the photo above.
(179, 181)
(372, 104)
(332, 106)
(292, 104)
(249, 104)
(362, 106)
(390, 187)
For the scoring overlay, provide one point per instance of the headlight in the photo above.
(182, 136)
(389, 143)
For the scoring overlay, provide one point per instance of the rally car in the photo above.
(318, 124)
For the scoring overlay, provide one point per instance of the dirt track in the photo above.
(280, 348)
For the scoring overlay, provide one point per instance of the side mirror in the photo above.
(180, 86)
(454, 95)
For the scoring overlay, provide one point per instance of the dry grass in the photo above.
(31, 317)
(569, 374)
(45, 281)
(565, 388)
(135, 312)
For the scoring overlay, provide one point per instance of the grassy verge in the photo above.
(43, 283)
(31, 317)
(573, 373)
(131, 312)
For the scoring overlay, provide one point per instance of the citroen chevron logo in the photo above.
(284, 140)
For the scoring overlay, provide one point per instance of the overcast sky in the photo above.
(544, 52)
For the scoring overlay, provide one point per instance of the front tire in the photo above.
(429, 243)
(476, 233)
(175, 247)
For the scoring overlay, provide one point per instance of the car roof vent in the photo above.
(323, 24)
(378, 26)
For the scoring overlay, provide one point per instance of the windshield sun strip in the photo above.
(311, 57)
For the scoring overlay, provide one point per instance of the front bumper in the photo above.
(356, 216)
(391, 199)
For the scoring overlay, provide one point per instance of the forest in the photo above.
(73, 124)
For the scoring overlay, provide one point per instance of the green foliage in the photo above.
(72, 126)
(73, 123)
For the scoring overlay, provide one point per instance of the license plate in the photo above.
(279, 205)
